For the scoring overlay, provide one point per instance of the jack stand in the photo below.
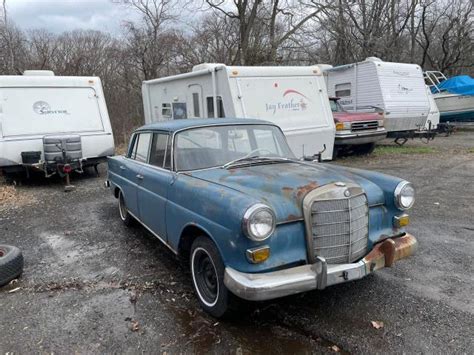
(68, 186)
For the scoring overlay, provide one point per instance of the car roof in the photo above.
(177, 125)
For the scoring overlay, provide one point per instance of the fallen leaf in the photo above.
(377, 324)
(135, 326)
(335, 348)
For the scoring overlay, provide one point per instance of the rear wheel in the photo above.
(207, 270)
(124, 215)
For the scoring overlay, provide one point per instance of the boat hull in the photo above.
(453, 107)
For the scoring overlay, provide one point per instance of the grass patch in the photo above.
(392, 149)
(471, 150)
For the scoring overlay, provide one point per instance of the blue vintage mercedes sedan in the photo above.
(255, 222)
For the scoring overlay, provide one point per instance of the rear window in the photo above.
(46, 110)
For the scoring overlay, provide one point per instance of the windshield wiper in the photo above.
(254, 159)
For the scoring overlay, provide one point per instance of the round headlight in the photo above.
(258, 222)
(404, 195)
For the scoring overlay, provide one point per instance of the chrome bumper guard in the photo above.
(270, 285)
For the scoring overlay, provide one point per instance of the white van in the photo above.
(50, 122)
(294, 98)
(397, 88)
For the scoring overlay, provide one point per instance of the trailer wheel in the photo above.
(11, 263)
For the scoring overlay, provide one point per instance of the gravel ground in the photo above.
(91, 285)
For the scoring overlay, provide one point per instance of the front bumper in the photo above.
(360, 137)
(265, 286)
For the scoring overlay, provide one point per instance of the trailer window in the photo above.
(196, 104)
(343, 90)
(179, 110)
(210, 107)
(142, 147)
(166, 111)
(158, 149)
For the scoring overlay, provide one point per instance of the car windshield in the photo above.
(336, 106)
(226, 146)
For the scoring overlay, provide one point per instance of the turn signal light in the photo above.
(401, 221)
(258, 255)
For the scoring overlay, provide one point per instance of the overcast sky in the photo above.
(65, 15)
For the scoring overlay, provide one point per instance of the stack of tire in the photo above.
(11, 263)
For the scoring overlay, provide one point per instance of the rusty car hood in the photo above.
(284, 185)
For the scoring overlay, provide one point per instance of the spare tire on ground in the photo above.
(11, 263)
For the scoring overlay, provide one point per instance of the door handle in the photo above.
(122, 167)
(139, 176)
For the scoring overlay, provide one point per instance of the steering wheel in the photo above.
(262, 150)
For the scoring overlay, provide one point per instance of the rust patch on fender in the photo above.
(287, 191)
(292, 218)
(301, 191)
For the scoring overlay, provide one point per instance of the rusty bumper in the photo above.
(270, 285)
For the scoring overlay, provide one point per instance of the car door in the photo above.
(155, 179)
(131, 167)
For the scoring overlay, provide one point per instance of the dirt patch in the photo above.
(10, 197)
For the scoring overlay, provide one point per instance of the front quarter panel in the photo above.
(218, 210)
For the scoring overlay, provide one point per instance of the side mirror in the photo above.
(317, 156)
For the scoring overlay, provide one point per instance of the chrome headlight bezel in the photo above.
(398, 194)
(249, 217)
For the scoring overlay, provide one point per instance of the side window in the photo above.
(343, 90)
(133, 150)
(168, 155)
(158, 149)
(166, 111)
(142, 147)
(210, 107)
(196, 104)
(179, 110)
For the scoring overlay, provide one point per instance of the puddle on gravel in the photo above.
(203, 334)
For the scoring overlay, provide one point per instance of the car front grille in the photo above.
(339, 227)
(364, 126)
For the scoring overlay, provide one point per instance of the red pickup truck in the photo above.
(356, 132)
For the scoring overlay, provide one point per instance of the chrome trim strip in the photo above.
(153, 233)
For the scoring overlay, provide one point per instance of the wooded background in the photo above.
(436, 34)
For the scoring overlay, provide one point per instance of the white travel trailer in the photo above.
(52, 123)
(294, 98)
(397, 88)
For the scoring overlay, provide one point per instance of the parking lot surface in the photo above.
(92, 285)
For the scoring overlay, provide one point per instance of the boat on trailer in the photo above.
(454, 96)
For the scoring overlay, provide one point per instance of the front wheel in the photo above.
(207, 270)
(365, 149)
(126, 218)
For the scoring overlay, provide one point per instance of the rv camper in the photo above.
(55, 124)
(397, 88)
(294, 98)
